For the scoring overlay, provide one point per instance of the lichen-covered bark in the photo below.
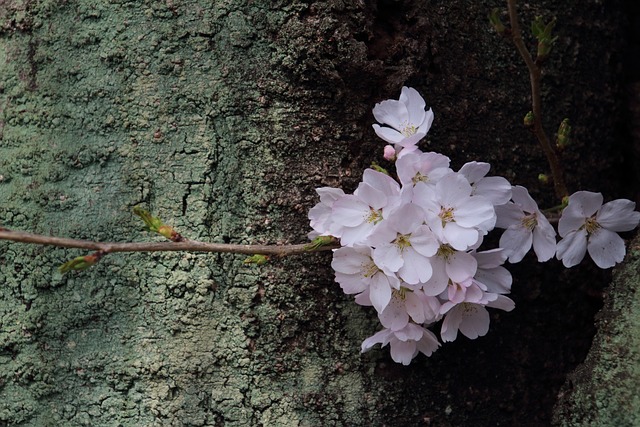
(221, 117)
(605, 390)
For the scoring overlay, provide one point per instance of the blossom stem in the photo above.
(184, 246)
(535, 75)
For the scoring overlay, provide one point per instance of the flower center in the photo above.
(370, 269)
(409, 130)
(591, 225)
(375, 216)
(530, 221)
(418, 177)
(446, 215)
(402, 241)
(445, 251)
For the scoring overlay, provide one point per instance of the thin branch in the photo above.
(535, 75)
(185, 246)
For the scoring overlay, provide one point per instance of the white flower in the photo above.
(415, 167)
(587, 224)
(407, 303)
(471, 317)
(357, 273)
(406, 343)
(490, 273)
(407, 120)
(495, 188)
(320, 215)
(356, 216)
(403, 244)
(454, 215)
(525, 225)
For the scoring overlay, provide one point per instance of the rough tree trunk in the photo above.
(222, 117)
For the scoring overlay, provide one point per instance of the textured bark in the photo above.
(222, 117)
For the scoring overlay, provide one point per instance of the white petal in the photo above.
(415, 105)
(389, 135)
(377, 338)
(618, 215)
(460, 238)
(379, 292)
(416, 268)
(450, 324)
(521, 197)
(428, 343)
(391, 112)
(394, 316)
(517, 240)
(494, 188)
(403, 351)
(461, 266)
(572, 247)
(544, 240)
(475, 321)
(349, 211)
(606, 248)
(502, 303)
(508, 215)
(388, 257)
(585, 203)
(473, 211)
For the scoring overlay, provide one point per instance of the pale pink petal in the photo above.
(414, 306)
(517, 240)
(544, 240)
(403, 351)
(585, 203)
(475, 321)
(415, 105)
(356, 235)
(572, 247)
(460, 238)
(461, 266)
(389, 135)
(371, 196)
(521, 197)
(388, 257)
(394, 316)
(508, 215)
(496, 189)
(439, 278)
(606, 248)
(474, 210)
(376, 338)
(349, 211)
(452, 189)
(424, 242)
(379, 292)
(428, 343)
(618, 215)
(416, 268)
(451, 323)
(475, 171)
(391, 112)
(502, 303)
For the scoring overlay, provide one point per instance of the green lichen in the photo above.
(605, 389)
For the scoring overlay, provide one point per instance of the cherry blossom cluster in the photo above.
(410, 246)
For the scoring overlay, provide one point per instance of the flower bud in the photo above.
(81, 262)
(389, 153)
(542, 33)
(529, 119)
(319, 242)
(543, 178)
(257, 259)
(496, 22)
(564, 135)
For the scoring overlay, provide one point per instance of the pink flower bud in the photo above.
(389, 153)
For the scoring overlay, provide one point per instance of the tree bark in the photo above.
(221, 118)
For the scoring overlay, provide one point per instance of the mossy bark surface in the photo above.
(221, 118)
